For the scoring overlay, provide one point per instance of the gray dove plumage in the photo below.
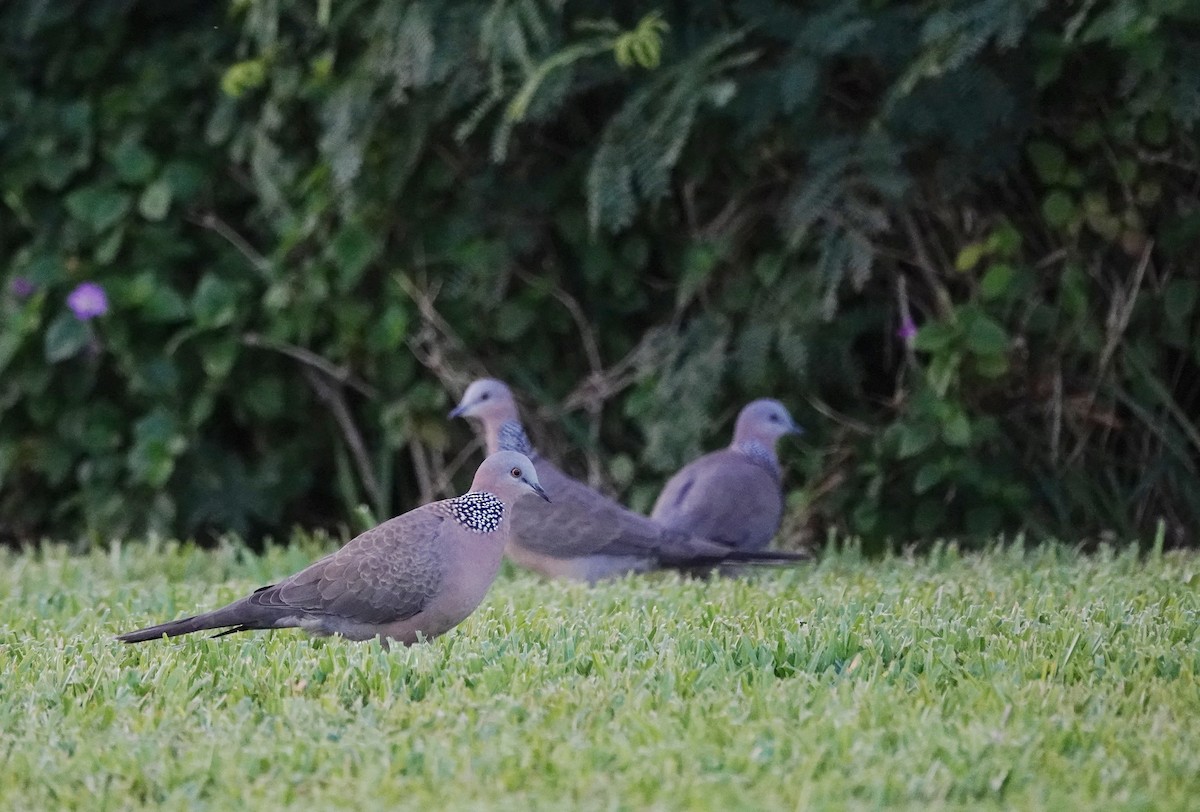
(417, 575)
(734, 495)
(581, 534)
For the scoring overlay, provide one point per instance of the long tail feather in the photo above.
(758, 558)
(769, 557)
(237, 615)
(174, 628)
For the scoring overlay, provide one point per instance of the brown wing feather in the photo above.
(724, 496)
(387, 574)
(579, 521)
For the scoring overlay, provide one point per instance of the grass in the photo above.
(1009, 679)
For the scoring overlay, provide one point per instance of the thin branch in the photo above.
(420, 459)
(215, 224)
(905, 319)
(436, 340)
(850, 423)
(925, 265)
(1116, 323)
(332, 397)
(311, 359)
(591, 349)
(444, 486)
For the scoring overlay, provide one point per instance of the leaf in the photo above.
(699, 261)
(155, 200)
(915, 438)
(185, 179)
(984, 336)
(969, 256)
(164, 304)
(218, 356)
(1049, 161)
(98, 206)
(213, 303)
(133, 162)
(157, 441)
(929, 475)
(1059, 209)
(991, 366)
(934, 336)
(243, 76)
(353, 249)
(514, 318)
(389, 330)
(996, 281)
(1072, 291)
(957, 431)
(1005, 240)
(107, 250)
(65, 337)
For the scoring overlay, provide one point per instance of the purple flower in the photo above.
(22, 287)
(87, 301)
(907, 331)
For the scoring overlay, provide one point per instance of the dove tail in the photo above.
(768, 558)
(229, 616)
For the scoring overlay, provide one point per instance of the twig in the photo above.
(827, 411)
(215, 224)
(446, 472)
(1116, 322)
(1120, 312)
(925, 265)
(430, 344)
(311, 359)
(332, 397)
(419, 455)
(591, 349)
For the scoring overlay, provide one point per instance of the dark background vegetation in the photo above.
(316, 221)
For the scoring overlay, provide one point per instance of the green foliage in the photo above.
(1008, 680)
(299, 210)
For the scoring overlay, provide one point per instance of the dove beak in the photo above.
(457, 411)
(538, 489)
(796, 429)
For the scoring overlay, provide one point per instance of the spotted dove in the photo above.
(582, 534)
(417, 575)
(733, 496)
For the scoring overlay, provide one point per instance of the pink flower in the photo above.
(22, 287)
(87, 301)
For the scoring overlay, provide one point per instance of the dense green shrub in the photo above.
(959, 238)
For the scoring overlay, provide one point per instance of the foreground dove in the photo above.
(734, 495)
(582, 534)
(417, 575)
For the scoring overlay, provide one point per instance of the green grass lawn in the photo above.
(1011, 679)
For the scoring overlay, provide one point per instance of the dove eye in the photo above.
(516, 473)
(485, 396)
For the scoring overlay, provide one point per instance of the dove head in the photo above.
(763, 422)
(487, 400)
(508, 475)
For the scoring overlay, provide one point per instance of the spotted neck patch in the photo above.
(478, 511)
(759, 454)
(512, 438)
